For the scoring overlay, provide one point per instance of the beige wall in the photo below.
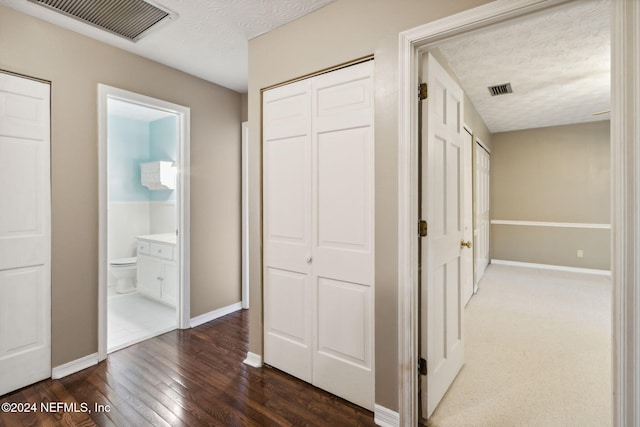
(554, 174)
(340, 32)
(473, 120)
(75, 65)
(245, 107)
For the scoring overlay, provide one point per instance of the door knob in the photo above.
(465, 244)
(309, 258)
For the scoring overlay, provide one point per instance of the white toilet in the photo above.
(124, 270)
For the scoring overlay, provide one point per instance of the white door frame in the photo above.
(182, 188)
(625, 150)
(245, 215)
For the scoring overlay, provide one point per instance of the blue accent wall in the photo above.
(128, 147)
(132, 142)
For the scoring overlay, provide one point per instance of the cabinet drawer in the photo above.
(143, 247)
(162, 251)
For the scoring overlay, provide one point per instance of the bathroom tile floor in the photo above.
(133, 318)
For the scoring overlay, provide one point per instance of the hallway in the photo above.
(192, 377)
(537, 352)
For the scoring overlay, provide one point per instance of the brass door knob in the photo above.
(465, 244)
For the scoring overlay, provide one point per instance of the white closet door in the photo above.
(319, 231)
(287, 229)
(25, 233)
(343, 232)
(482, 211)
(466, 258)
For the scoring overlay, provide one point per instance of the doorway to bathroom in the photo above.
(144, 220)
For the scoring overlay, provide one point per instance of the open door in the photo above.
(160, 245)
(442, 271)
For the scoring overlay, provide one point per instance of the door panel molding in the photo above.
(25, 231)
(445, 263)
(319, 226)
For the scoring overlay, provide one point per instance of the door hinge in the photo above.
(422, 366)
(423, 228)
(423, 91)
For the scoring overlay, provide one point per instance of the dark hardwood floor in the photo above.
(191, 377)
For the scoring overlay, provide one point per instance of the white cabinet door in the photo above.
(25, 233)
(170, 283)
(150, 276)
(158, 273)
(319, 231)
(441, 315)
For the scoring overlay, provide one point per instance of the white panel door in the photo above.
(343, 232)
(482, 172)
(287, 229)
(442, 206)
(25, 233)
(466, 259)
(319, 231)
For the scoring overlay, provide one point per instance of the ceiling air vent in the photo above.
(130, 19)
(502, 89)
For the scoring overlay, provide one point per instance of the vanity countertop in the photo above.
(160, 238)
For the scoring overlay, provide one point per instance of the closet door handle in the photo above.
(309, 259)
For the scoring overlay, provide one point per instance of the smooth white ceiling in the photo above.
(208, 39)
(557, 61)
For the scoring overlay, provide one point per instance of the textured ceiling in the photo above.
(557, 61)
(208, 39)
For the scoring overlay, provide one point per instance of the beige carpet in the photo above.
(538, 352)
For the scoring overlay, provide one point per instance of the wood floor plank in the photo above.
(85, 390)
(71, 417)
(192, 377)
(118, 401)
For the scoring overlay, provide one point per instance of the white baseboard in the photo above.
(385, 417)
(212, 315)
(552, 267)
(253, 359)
(74, 366)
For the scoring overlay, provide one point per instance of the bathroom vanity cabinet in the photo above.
(157, 269)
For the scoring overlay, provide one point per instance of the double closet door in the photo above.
(318, 218)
